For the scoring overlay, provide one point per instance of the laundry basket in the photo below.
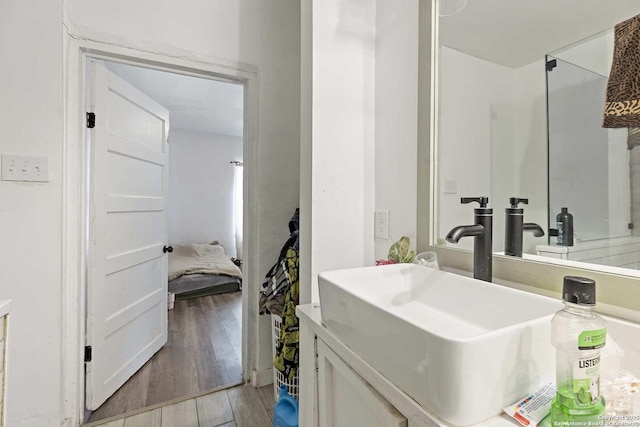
(293, 388)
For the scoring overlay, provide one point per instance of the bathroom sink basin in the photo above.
(462, 348)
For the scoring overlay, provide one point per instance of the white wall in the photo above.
(306, 152)
(361, 142)
(265, 35)
(201, 184)
(396, 119)
(31, 214)
(342, 139)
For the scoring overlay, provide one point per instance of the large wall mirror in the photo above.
(521, 92)
(511, 78)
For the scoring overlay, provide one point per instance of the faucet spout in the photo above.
(535, 228)
(461, 231)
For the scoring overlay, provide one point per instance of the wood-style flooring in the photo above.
(203, 352)
(241, 406)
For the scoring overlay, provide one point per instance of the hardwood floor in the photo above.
(203, 352)
(241, 406)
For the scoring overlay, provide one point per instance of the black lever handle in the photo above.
(167, 249)
(515, 200)
(482, 200)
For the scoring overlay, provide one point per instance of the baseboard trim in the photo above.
(262, 377)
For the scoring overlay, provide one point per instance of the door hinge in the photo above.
(87, 353)
(91, 120)
(551, 64)
(630, 226)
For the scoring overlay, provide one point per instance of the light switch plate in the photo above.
(25, 168)
(450, 186)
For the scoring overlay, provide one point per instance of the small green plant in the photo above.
(399, 251)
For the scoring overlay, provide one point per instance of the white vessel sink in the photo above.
(462, 348)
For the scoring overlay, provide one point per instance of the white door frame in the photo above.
(74, 177)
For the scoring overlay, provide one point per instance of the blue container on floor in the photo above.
(285, 413)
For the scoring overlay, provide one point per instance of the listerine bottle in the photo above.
(578, 334)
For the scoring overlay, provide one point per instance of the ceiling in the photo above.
(508, 32)
(519, 32)
(195, 104)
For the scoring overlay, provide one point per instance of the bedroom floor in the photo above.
(203, 352)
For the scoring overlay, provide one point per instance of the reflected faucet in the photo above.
(533, 227)
(514, 227)
(481, 231)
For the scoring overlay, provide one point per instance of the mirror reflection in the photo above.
(582, 151)
(521, 93)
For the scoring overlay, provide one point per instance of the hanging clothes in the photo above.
(287, 353)
(277, 280)
(279, 294)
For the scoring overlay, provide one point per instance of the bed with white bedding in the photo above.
(199, 269)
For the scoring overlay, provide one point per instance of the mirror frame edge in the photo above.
(618, 294)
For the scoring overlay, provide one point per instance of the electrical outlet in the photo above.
(381, 224)
(25, 168)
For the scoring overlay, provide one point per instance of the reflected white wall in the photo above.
(493, 141)
(469, 87)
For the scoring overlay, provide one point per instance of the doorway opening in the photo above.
(203, 195)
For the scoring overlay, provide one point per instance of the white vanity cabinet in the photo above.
(345, 399)
(338, 389)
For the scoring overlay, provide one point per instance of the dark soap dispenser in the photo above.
(515, 227)
(564, 222)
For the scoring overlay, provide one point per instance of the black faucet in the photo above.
(514, 227)
(481, 231)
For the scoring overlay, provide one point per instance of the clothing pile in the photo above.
(279, 295)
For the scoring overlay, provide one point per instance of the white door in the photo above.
(127, 272)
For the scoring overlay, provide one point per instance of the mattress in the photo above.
(195, 285)
(199, 269)
(200, 258)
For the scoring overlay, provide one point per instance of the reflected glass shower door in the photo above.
(588, 165)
